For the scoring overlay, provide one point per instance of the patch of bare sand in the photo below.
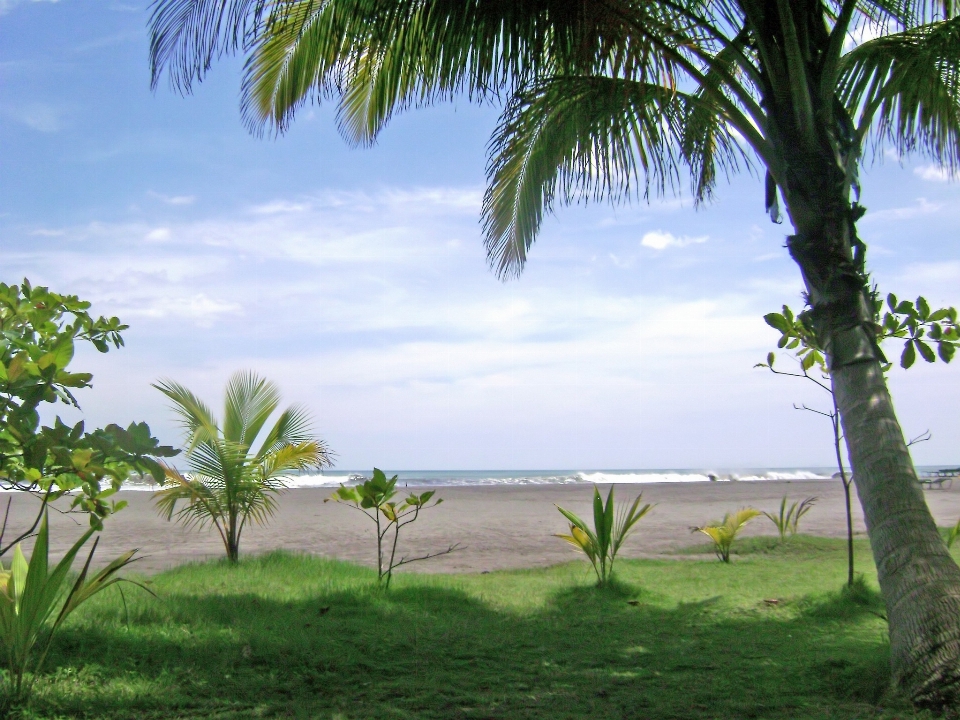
(499, 527)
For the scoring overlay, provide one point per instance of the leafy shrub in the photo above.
(601, 544)
(374, 498)
(788, 518)
(725, 532)
(39, 332)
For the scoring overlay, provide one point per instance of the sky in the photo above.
(356, 278)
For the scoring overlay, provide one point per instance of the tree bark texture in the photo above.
(919, 580)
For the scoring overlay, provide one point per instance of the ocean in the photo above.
(447, 478)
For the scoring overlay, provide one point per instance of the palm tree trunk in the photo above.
(233, 541)
(919, 580)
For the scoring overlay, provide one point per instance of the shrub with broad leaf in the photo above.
(374, 498)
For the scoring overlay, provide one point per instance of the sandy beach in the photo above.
(498, 526)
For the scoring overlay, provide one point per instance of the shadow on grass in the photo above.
(428, 651)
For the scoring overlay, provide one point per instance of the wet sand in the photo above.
(498, 526)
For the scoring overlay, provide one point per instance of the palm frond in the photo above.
(906, 13)
(186, 36)
(708, 146)
(303, 49)
(289, 457)
(292, 427)
(383, 56)
(576, 138)
(195, 416)
(906, 88)
(201, 503)
(249, 402)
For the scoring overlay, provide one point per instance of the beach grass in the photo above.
(771, 635)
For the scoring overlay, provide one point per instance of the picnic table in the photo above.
(940, 479)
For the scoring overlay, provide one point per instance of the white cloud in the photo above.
(279, 206)
(173, 199)
(935, 173)
(200, 308)
(158, 235)
(38, 116)
(922, 207)
(660, 240)
(8, 5)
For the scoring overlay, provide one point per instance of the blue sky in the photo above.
(356, 278)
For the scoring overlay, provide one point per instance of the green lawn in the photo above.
(294, 636)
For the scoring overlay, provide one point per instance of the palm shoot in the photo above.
(34, 603)
(725, 532)
(610, 529)
(231, 480)
(788, 518)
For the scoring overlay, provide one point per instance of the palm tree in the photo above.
(228, 483)
(611, 99)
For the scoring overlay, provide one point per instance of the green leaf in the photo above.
(777, 322)
(926, 352)
(909, 355)
(770, 358)
(946, 351)
(892, 302)
(923, 309)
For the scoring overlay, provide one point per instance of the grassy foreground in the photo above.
(294, 636)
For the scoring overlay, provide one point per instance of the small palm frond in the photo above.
(906, 13)
(708, 146)
(290, 457)
(186, 36)
(906, 87)
(576, 138)
(249, 403)
(294, 426)
(255, 501)
(304, 48)
(382, 56)
(196, 418)
(201, 504)
(627, 518)
(218, 460)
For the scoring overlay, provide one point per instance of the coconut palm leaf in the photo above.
(248, 404)
(576, 138)
(196, 418)
(186, 36)
(906, 88)
(293, 427)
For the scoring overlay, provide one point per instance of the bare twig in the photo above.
(404, 560)
(31, 531)
(922, 437)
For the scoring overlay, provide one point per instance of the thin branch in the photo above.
(33, 527)
(404, 560)
(922, 437)
(6, 516)
(813, 410)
